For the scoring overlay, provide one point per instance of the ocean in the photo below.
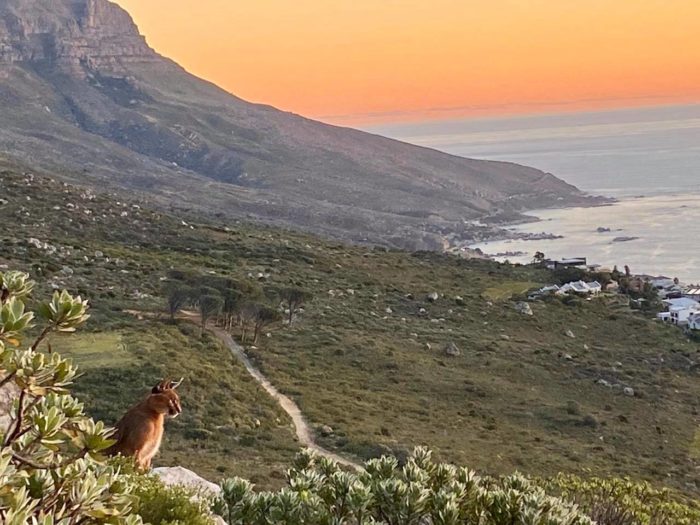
(648, 159)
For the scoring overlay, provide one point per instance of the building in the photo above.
(692, 293)
(694, 321)
(580, 287)
(573, 262)
(680, 311)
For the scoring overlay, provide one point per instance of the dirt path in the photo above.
(301, 426)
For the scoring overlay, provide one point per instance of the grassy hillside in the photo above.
(367, 355)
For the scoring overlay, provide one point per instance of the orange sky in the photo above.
(366, 61)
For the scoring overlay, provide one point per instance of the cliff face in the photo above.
(83, 95)
(69, 32)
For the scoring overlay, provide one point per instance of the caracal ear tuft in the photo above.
(161, 386)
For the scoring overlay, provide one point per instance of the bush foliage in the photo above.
(420, 492)
(51, 470)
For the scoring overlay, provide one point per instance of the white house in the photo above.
(694, 321)
(571, 262)
(580, 287)
(682, 302)
(680, 311)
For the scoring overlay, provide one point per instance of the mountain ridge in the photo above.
(86, 96)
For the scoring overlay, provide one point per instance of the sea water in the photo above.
(648, 159)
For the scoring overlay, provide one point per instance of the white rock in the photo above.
(182, 476)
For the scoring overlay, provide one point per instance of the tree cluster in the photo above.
(234, 305)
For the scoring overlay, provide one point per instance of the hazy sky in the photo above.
(366, 61)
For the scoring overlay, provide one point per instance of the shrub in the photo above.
(51, 470)
(159, 504)
(624, 502)
(421, 491)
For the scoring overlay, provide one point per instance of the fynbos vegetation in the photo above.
(51, 470)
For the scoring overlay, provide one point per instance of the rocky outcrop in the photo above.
(96, 33)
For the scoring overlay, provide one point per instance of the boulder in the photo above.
(628, 391)
(325, 430)
(452, 350)
(570, 334)
(433, 297)
(523, 308)
(181, 476)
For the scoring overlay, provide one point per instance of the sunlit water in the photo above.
(653, 153)
(667, 227)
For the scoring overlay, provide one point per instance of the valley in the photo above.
(367, 357)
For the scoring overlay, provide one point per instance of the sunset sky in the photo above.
(373, 61)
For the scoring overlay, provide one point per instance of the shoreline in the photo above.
(653, 232)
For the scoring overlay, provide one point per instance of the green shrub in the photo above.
(51, 470)
(625, 502)
(159, 504)
(421, 491)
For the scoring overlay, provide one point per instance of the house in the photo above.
(680, 311)
(667, 288)
(574, 262)
(580, 287)
(682, 302)
(694, 321)
(692, 293)
(546, 290)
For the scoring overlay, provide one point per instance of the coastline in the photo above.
(653, 233)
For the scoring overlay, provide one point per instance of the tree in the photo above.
(177, 294)
(538, 258)
(231, 300)
(50, 452)
(209, 306)
(264, 317)
(246, 313)
(293, 299)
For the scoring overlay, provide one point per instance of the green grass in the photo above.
(508, 289)
(381, 380)
(94, 350)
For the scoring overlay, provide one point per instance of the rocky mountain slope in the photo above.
(82, 91)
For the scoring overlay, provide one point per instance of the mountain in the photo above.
(84, 95)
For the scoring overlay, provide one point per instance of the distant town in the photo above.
(679, 302)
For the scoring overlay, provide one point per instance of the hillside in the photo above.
(363, 358)
(84, 96)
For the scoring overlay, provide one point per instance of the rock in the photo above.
(99, 254)
(452, 350)
(459, 301)
(523, 308)
(325, 430)
(181, 476)
(628, 391)
(568, 357)
(505, 337)
(389, 310)
(604, 383)
(570, 334)
(428, 347)
(433, 297)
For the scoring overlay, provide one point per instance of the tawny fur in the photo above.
(140, 432)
